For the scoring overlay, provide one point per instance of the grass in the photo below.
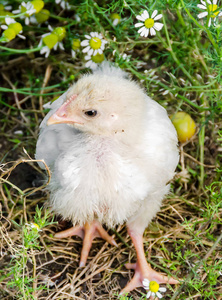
(180, 68)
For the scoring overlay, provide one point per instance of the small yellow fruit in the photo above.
(185, 126)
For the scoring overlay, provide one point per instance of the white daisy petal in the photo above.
(148, 294)
(162, 289)
(203, 2)
(86, 49)
(102, 47)
(87, 57)
(140, 18)
(202, 15)
(220, 14)
(141, 29)
(92, 34)
(158, 17)
(21, 36)
(61, 46)
(43, 50)
(88, 36)
(50, 28)
(143, 32)
(26, 21)
(56, 46)
(201, 6)
(85, 43)
(90, 51)
(159, 295)
(88, 64)
(152, 31)
(154, 14)
(139, 24)
(214, 1)
(4, 27)
(208, 1)
(146, 282)
(146, 32)
(100, 51)
(145, 14)
(158, 26)
(95, 52)
(73, 53)
(9, 20)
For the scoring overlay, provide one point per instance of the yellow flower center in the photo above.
(60, 32)
(17, 27)
(149, 23)
(154, 286)
(42, 16)
(9, 34)
(38, 5)
(212, 8)
(50, 40)
(75, 44)
(95, 43)
(98, 58)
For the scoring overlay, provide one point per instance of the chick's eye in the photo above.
(91, 113)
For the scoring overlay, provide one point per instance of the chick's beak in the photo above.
(65, 115)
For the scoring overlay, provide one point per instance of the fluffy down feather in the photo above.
(114, 168)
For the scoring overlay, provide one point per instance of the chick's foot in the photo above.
(87, 232)
(142, 268)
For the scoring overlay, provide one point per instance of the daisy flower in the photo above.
(29, 9)
(52, 40)
(154, 289)
(94, 44)
(149, 24)
(12, 29)
(33, 226)
(210, 7)
(94, 61)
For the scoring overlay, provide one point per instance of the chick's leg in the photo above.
(87, 232)
(141, 267)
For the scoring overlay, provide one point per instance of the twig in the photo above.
(45, 81)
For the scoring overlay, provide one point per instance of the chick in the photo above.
(112, 151)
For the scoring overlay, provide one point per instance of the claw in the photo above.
(87, 232)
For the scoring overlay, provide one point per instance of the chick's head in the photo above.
(104, 105)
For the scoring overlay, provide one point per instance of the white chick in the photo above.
(112, 151)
